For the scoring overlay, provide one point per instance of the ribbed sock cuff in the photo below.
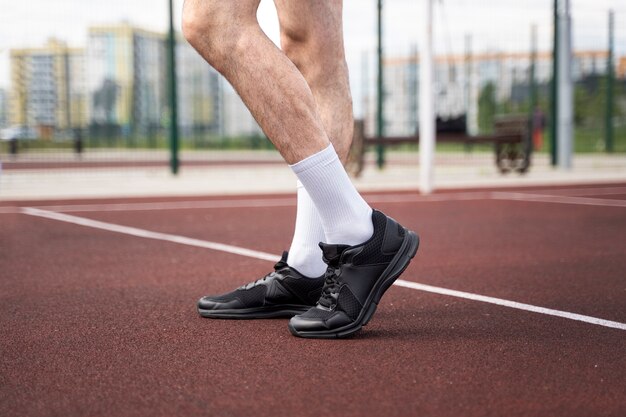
(319, 159)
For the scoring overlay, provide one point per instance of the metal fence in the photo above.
(87, 85)
(84, 84)
(494, 62)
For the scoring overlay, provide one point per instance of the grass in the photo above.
(586, 140)
(157, 142)
(592, 140)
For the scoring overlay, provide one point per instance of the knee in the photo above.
(314, 53)
(194, 20)
(299, 47)
(211, 27)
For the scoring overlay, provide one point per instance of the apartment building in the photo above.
(47, 88)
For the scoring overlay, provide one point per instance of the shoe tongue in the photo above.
(332, 252)
(283, 261)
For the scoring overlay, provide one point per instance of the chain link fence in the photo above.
(493, 65)
(84, 84)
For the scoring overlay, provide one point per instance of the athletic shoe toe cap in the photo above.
(331, 320)
(210, 303)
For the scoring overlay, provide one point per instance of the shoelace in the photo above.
(271, 274)
(331, 286)
(279, 265)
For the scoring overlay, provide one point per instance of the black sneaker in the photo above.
(282, 293)
(356, 279)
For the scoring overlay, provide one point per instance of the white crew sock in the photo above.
(346, 217)
(305, 254)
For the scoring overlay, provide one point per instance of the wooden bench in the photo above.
(511, 141)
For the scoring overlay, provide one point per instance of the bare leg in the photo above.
(228, 36)
(299, 122)
(312, 37)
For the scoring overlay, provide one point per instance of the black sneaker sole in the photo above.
(268, 312)
(397, 266)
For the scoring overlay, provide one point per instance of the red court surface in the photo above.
(98, 316)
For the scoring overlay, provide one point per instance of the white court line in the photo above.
(133, 231)
(9, 210)
(270, 257)
(540, 198)
(174, 205)
(256, 202)
(511, 304)
(585, 191)
(418, 198)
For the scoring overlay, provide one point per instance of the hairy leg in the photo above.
(228, 36)
(312, 37)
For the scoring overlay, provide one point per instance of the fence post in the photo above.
(610, 76)
(427, 105)
(171, 52)
(534, 101)
(565, 108)
(380, 121)
(554, 86)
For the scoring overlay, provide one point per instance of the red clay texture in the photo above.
(97, 323)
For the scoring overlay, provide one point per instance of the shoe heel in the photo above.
(409, 251)
(370, 312)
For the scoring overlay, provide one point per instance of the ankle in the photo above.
(356, 231)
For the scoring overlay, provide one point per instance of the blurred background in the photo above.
(85, 99)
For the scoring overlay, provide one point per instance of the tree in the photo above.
(104, 100)
(487, 107)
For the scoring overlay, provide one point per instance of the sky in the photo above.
(494, 25)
